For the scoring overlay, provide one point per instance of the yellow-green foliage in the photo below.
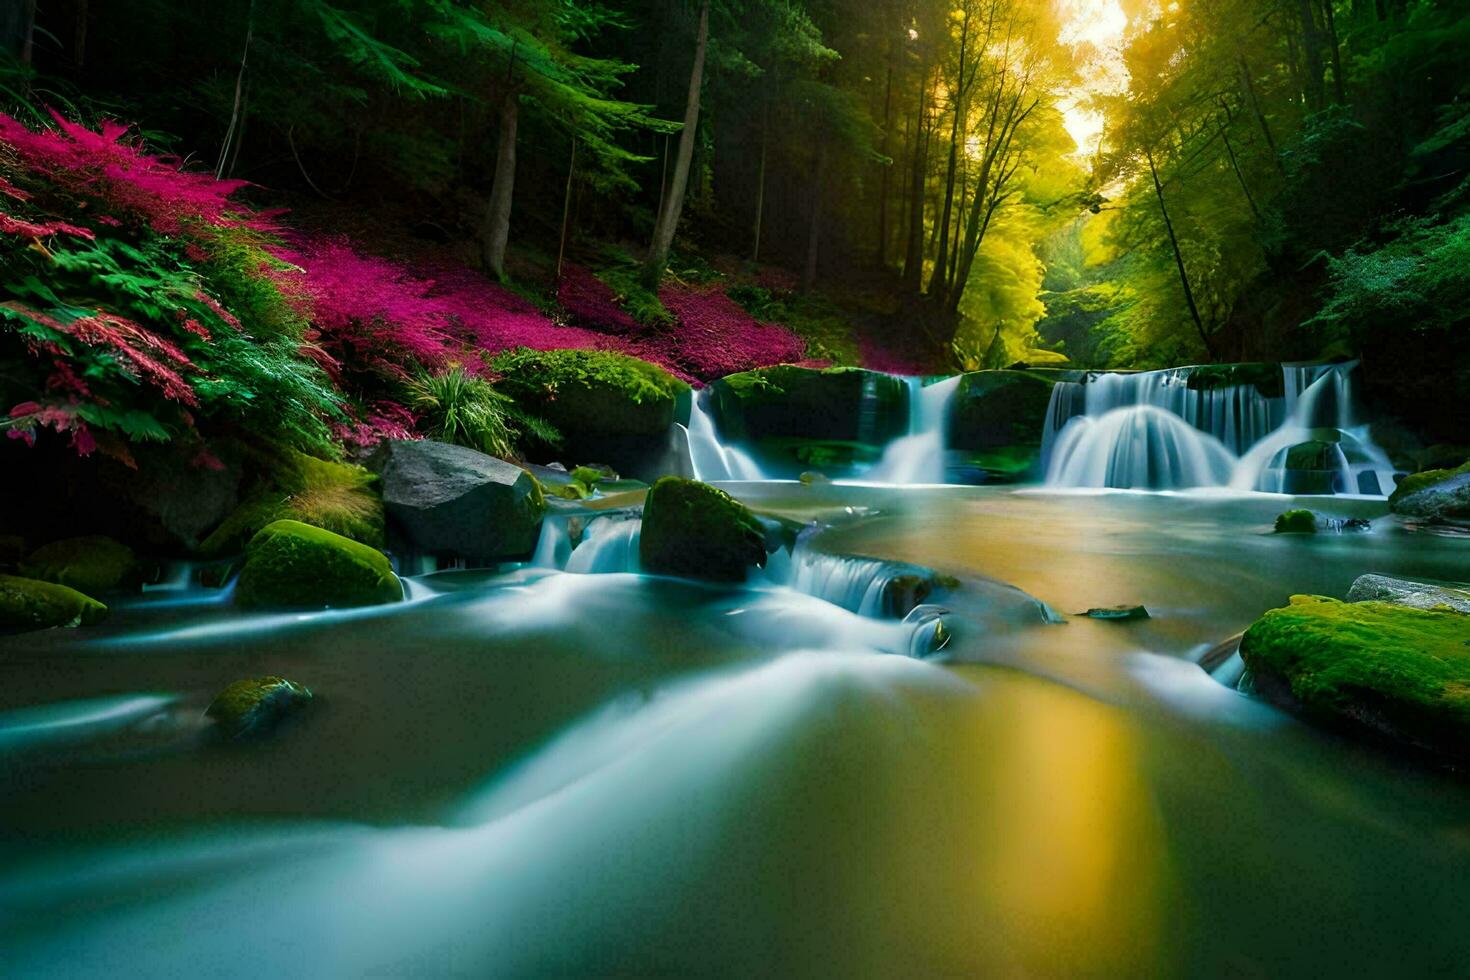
(338, 497)
(294, 565)
(1372, 666)
(27, 604)
(94, 565)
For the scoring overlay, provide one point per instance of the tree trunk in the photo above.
(913, 260)
(1249, 85)
(814, 234)
(496, 231)
(232, 132)
(79, 36)
(760, 186)
(1312, 53)
(1178, 257)
(566, 209)
(1235, 163)
(28, 35)
(887, 168)
(1330, 19)
(668, 215)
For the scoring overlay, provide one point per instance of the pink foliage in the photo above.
(101, 165)
(590, 302)
(11, 225)
(380, 421)
(876, 357)
(717, 337)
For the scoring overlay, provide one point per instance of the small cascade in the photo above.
(1152, 431)
(554, 546)
(918, 457)
(610, 544)
(854, 583)
(709, 459)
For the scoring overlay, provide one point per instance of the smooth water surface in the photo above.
(545, 773)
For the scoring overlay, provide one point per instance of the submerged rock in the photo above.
(290, 565)
(249, 708)
(95, 565)
(1436, 496)
(1377, 669)
(28, 604)
(694, 530)
(1404, 592)
(1116, 613)
(1296, 522)
(444, 499)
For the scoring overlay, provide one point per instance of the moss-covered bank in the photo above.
(1371, 668)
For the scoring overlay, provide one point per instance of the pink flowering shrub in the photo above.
(717, 337)
(590, 302)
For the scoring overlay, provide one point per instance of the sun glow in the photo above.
(1094, 29)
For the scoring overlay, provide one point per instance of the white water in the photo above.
(919, 456)
(710, 459)
(1151, 431)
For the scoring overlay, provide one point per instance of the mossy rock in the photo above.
(1117, 614)
(593, 393)
(693, 530)
(94, 565)
(249, 708)
(1000, 411)
(338, 497)
(291, 565)
(1372, 668)
(1267, 378)
(1296, 522)
(1434, 495)
(842, 405)
(815, 454)
(1005, 464)
(29, 604)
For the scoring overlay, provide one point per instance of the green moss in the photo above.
(337, 497)
(1373, 667)
(995, 410)
(1421, 481)
(294, 565)
(694, 530)
(252, 707)
(95, 565)
(1267, 378)
(591, 393)
(827, 405)
(1006, 464)
(827, 331)
(28, 604)
(1296, 522)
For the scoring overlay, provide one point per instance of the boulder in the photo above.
(253, 707)
(1404, 592)
(1434, 496)
(28, 604)
(94, 565)
(185, 496)
(1296, 522)
(606, 406)
(291, 565)
(1376, 669)
(811, 418)
(997, 419)
(693, 530)
(444, 499)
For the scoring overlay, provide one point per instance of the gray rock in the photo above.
(444, 499)
(1403, 592)
(1448, 500)
(1116, 613)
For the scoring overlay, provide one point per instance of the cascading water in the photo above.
(919, 456)
(1153, 431)
(710, 459)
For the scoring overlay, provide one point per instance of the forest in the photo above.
(546, 488)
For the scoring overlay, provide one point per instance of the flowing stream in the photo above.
(571, 767)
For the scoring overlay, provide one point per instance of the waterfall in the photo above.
(709, 459)
(860, 585)
(1152, 431)
(610, 544)
(919, 456)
